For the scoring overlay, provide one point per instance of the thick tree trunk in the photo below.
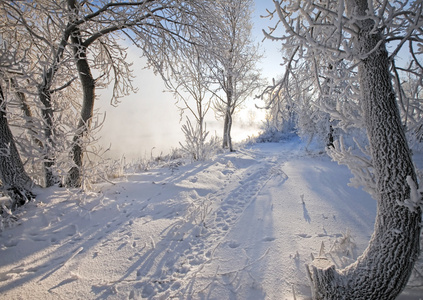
(385, 266)
(74, 178)
(88, 87)
(14, 178)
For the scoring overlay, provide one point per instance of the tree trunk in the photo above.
(44, 93)
(385, 266)
(88, 87)
(27, 111)
(47, 113)
(14, 178)
(227, 139)
(74, 178)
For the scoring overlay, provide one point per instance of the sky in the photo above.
(149, 123)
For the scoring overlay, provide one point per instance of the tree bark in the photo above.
(227, 139)
(44, 92)
(47, 113)
(27, 111)
(383, 270)
(14, 178)
(74, 178)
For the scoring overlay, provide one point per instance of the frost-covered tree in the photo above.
(159, 28)
(14, 181)
(292, 102)
(71, 38)
(233, 60)
(190, 83)
(409, 88)
(37, 32)
(97, 37)
(351, 37)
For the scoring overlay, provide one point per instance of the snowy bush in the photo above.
(344, 245)
(274, 133)
(7, 217)
(358, 160)
(195, 142)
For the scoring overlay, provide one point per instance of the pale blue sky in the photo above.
(271, 62)
(150, 118)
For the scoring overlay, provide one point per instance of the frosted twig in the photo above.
(293, 292)
(153, 244)
(79, 250)
(322, 250)
(206, 287)
(247, 265)
(415, 199)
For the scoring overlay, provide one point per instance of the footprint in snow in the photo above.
(232, 201)
(38, 239)
(5, 277)
(304, 235)
(11, 243)
(268, 239)
(233, 244)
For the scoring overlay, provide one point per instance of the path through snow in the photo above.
(239, 227)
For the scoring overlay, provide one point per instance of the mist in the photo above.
(149, 123)
(142, 121)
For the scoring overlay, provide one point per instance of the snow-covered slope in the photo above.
(241, 226)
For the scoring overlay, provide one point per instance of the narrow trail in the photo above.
(208, 222)
(284, 220)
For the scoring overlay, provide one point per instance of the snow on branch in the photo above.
(361, 166)
(416, 200)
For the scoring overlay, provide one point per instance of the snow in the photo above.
(415, 200)
(240, 226)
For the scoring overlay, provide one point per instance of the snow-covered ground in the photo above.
(241, 226)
